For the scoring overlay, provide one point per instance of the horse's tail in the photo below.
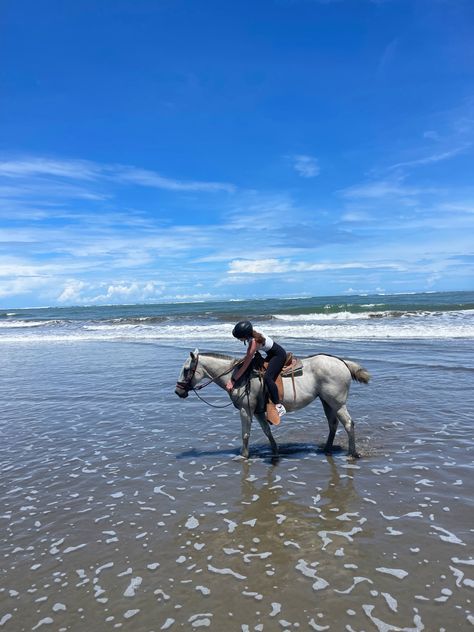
(358, 373)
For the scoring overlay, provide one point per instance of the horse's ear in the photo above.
(194, 354)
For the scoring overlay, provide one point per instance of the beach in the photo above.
(123, 507)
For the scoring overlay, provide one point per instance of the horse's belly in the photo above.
(291, 403)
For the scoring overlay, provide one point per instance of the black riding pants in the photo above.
(276, 359)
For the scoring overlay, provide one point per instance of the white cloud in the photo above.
(277, 266)
(431, 159)
(459, 207)
(384, 189)
(258, 266)
(152, 179)
(78, 292)
(22, 285)
(72, 292)
(306, 166)
(34, 167)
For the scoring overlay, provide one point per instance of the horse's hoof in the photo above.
(354, 455)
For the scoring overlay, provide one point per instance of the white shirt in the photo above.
(268, 343)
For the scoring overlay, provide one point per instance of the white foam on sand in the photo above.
(135, 582)
(449, 537)
(225, 571)
(192, 523)
(396, 572)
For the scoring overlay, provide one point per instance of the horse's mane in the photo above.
(221, 356)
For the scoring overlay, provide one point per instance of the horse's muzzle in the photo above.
(181, 392)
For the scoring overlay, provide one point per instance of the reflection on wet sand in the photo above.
(267, 544)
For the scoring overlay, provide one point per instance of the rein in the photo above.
(209, 403)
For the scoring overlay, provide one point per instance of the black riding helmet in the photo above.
(243, 330)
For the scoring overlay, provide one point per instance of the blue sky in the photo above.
(178, 150)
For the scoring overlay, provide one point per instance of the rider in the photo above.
(276, 357)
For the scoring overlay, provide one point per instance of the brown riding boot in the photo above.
(272, 415)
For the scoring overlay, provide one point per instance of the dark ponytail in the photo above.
(258, 337)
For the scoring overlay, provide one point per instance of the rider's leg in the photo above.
(275, 365)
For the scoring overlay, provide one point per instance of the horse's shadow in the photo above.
(285, 450)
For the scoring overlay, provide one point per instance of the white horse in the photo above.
(324, 376)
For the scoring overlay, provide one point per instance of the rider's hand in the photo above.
(229, 386)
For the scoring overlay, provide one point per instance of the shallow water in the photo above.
(125, 507)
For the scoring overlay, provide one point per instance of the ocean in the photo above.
(436, 315)
(124, 507)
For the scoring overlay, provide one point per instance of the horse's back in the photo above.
(327, 366)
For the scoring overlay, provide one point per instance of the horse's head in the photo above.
(189, 376)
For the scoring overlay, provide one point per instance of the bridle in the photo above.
(188, 374)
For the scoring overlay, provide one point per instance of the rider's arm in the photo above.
(251, 350)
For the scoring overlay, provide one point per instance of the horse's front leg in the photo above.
(262, 420)
(246, 422)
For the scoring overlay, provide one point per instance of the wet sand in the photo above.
(124, 507)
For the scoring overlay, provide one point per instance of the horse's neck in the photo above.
(215, 367)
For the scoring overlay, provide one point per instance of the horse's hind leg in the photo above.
(331, 415)
(262, 420)
(345, 419)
